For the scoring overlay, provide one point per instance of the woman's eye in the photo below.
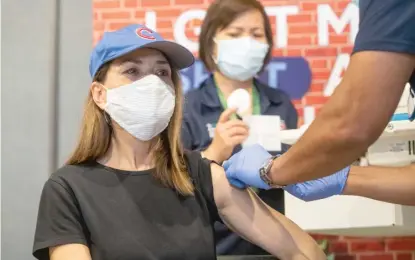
(131, 71)
(233, 35)
(259, 35)
(162, 73)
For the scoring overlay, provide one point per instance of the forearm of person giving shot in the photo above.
(358, 111)
(389, 184)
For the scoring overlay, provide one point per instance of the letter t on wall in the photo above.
(281, 13)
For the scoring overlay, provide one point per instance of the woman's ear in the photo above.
(99, 94)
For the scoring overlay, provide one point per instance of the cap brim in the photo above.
(177, 54)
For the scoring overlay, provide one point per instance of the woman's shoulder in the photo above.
(272, 92)
(192, 102)
(195, 162)
(199, 169)
(68, 175)
(195, 94)
(195, 99)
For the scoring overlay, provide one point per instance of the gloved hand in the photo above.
(242, 169)
(321, 188)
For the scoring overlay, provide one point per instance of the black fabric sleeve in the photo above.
(386, 25)
(202, 175)
(205, 176)
(59, 220)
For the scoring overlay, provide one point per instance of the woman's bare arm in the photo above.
(70, 252)
(252, 219)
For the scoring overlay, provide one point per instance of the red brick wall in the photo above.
(354, 248)
(304, 40)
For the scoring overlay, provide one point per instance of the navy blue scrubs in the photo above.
(387, 25)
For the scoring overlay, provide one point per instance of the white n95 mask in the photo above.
(241, 58)
(143, 108)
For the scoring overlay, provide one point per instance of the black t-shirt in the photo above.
(387, 25)
(127, 215)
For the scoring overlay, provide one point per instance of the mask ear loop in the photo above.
(108, 121)
(216, 60)
(106, 116)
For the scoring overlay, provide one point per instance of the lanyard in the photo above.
(256, 102)
(256, 108)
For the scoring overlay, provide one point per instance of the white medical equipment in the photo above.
(396, 145)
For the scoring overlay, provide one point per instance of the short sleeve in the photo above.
(59, 220)
(386, 25)
(205, 178)
(201, 172)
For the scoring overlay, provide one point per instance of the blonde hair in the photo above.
(95, 137)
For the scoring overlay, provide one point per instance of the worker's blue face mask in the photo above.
(411, 104)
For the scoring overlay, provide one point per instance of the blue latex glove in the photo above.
(321, 188)
(242, 169)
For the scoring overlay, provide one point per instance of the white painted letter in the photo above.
(327, 16)
(281, 13)
(151, 20)
(180, 28)
(273, 68)
(341, 64)
(309, 114)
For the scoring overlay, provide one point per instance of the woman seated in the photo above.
(129, 191)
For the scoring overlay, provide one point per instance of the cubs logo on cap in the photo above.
(145, 33)
(130, 38)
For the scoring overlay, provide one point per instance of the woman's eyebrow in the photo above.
(162, 62)
(129, 60)
(139, 61)
(243, 28)
(234, 27)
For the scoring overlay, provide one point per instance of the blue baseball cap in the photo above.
(118, 43)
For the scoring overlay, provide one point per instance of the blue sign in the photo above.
(290, 74)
